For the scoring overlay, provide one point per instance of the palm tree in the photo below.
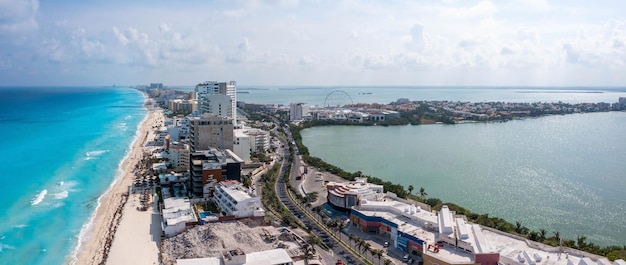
(373, 252)
(387, 261)
(379, 254)
(360, 243)
(366, 247)
(410, 189)
(341, 225)
(542, 235)
(352, 238)
(580, 242)
(557, 235)
(423, 193)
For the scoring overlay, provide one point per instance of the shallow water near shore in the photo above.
(560, 173)
(61, 148)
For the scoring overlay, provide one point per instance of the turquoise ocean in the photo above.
(60, 149)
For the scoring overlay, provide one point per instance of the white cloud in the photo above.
(164, 27)
(417, 36)
(120, 36)
(308, 61)
(480, 10)
(539, 5)
(18, 15)
(273, 41)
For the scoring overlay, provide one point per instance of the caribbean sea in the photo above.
(60, 149)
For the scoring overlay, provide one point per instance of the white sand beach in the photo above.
(119, 233)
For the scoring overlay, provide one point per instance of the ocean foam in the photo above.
(39, 198)
(20, 226)
(95, 153)
(61, 195)
(5, 246)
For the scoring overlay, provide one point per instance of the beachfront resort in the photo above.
(200, 187)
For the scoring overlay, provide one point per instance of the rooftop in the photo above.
(176, 210)
(435, 228)
(235, 190)
(268, 257)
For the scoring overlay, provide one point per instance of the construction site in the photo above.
(211, 240)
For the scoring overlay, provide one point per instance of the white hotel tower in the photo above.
(217, 98)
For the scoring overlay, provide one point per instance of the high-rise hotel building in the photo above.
(217, 98)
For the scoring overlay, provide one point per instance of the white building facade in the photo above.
(236, 200)
(248, 141)
(206, 102)
(298, 111)
(179, 155)
(177, 212)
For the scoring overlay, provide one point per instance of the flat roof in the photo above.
(176, 210)
(235, 191)
(199, 261)
(273, 256)
(421, 224)
(268, 257)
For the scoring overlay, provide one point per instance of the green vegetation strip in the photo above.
(611, 252)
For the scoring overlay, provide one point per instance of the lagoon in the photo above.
(560, 173)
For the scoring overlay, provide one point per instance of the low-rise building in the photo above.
(445, 238)
(277, 256)
(343, 196)
(177, 215)
(236, 200)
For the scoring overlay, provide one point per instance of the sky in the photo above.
(311, 43)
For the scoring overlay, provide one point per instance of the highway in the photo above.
(338, 250)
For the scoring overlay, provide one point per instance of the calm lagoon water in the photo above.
(562, 173)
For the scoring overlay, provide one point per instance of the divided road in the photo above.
(339, 250)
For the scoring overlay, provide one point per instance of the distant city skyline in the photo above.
(317, 43)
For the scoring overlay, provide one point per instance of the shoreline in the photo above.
(96, 235)
(591, 240)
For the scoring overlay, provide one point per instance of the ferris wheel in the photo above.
(337, 99)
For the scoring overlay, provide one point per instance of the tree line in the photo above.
(554, 238)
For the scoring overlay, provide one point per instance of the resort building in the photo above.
(248, 141)
(236, 200)
(208, 103)
(343, 196)
(299, 111)
(182, 106)
(156, 85)
(361, 115)
(177, 215)
(382, 115)
(210, 131)
(441, 238)
(178, 154)
(445, 238)
(357, 116)
(277, 256)
(209, 167)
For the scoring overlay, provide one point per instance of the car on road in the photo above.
(406, 257)
(386, 244)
